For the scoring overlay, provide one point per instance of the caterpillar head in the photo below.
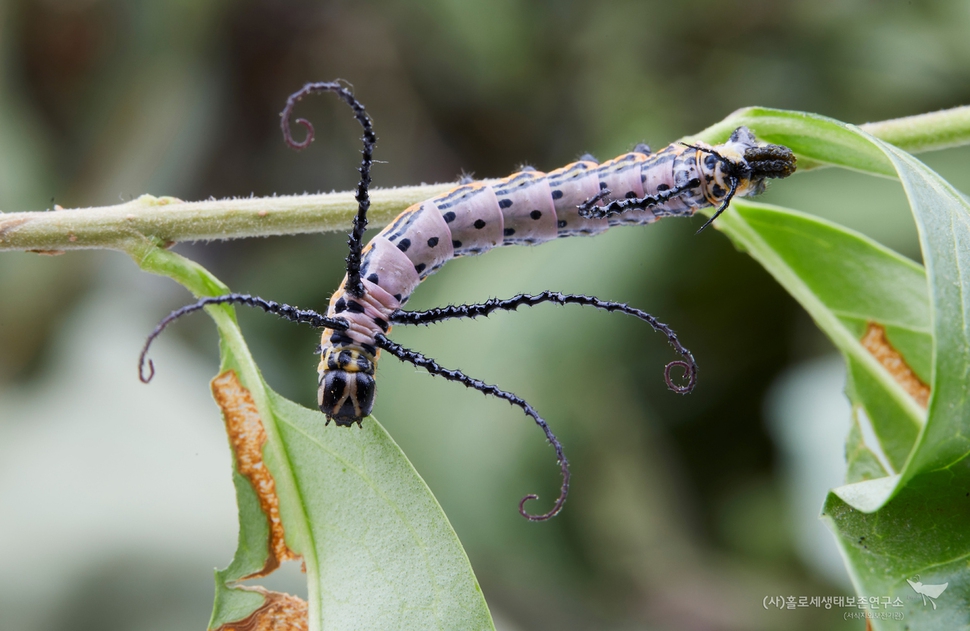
(740, 167)
(759, 163)
(346, 393)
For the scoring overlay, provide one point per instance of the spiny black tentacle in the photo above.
(284, 311)
(432, 367)
(709, 150)
(586, 209)
(528, 300)
(590, 210)
(355, 241)
(723, 206)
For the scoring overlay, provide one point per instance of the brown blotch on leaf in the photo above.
(280, 612)
(247, 437)
(47, 252)
(878, 345)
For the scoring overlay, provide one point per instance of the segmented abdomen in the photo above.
(528, 207)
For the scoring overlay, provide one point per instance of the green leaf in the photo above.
(816, 140)
(862, 463)
(845, 280)
(378, 550)
(921, 532)
(386, 555)
(914, 522)
(944, 225)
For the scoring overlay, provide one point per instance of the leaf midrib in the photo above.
(390, 502)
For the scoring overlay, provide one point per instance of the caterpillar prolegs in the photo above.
(528, 207)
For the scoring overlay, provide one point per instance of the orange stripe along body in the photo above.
(526, 208)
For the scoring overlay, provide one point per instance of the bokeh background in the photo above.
(115, 498)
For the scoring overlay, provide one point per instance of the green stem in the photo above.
(925, 132)
(169, 220)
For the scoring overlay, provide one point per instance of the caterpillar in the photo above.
(528, 207)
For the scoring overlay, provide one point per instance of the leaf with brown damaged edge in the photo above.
(912, 520)
(261, 544)
(279, 612)
(845, 280)
(378, 550)
(875, 342)
(247, 437)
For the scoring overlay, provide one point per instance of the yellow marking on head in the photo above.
(731, 154)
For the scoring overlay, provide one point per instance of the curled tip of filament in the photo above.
(288, 137)
(141, 369)
(552, 513)
(689, 371)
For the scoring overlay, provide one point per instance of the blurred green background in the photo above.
(115, 498)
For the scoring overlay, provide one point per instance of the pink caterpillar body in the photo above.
(528, 208)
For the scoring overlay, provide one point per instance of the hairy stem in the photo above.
(925, 132)
(168, 220)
